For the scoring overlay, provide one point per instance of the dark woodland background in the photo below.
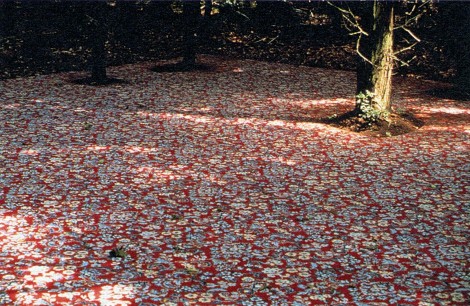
(39, 37)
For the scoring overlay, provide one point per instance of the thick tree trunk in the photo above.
(375, 66)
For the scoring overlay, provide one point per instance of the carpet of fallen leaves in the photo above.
(223, 187)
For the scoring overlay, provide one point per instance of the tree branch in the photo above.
(406, 48)
(402, 62)
(358, 44)
(411, 34)
(351, 18)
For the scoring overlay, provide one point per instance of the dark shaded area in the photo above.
(118, 252)
(101, 82)
(46, 37)
(98, 23)
(396, 124)
(191, 18)
(453, 93)
(182, 67)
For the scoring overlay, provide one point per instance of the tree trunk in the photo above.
(191, 15)
(462, 81)
(98, 38)
(206, 23)
(98, 57)
(375, 65)
(207, 8)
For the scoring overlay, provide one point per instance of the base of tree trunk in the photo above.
(396, 124)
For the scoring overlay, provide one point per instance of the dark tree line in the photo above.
(105, 31)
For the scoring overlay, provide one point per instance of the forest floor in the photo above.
(225, 186)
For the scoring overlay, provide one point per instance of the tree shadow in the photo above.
(397, 123)
(93, 82)
(452, 93)
(182, 67)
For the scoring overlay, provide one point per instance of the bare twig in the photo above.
(402, 62)
(351, 18)
(411, 34)
(406, 48)
(273, 39)
(358, 44)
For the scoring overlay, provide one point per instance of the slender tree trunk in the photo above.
(98, 55)
(191, 15)
(463, 37)
(98, 38)
(206, 23)
(375, 66)
(207, 8)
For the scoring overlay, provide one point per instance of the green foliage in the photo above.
(191, 270)
(119, 252)
(176, 217)
(365, 106)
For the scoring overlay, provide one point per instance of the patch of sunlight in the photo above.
(250, 121)
(150, 115)
(244, 120)
(97, 148)
(11, 106)
(138, 149)
(119, 294)
(276, 123)
(29, 152)
(449, 110)
(195, 108)
(170, 116)
(38, 270)
(115, 294)
(42, 275)
(201, 119)
(464, 128)
(81, 110)
(318, 103)
(18, 237)
(282, 160)
(308, 126)
(323, 129)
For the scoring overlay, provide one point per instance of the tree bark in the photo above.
(98, 57)
(463, 50)
(191, 15)
(206, 24)
(375, 64)
(207, 8)
(98, 38)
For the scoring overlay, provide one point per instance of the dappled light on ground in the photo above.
(449, 110)
(224, 187)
